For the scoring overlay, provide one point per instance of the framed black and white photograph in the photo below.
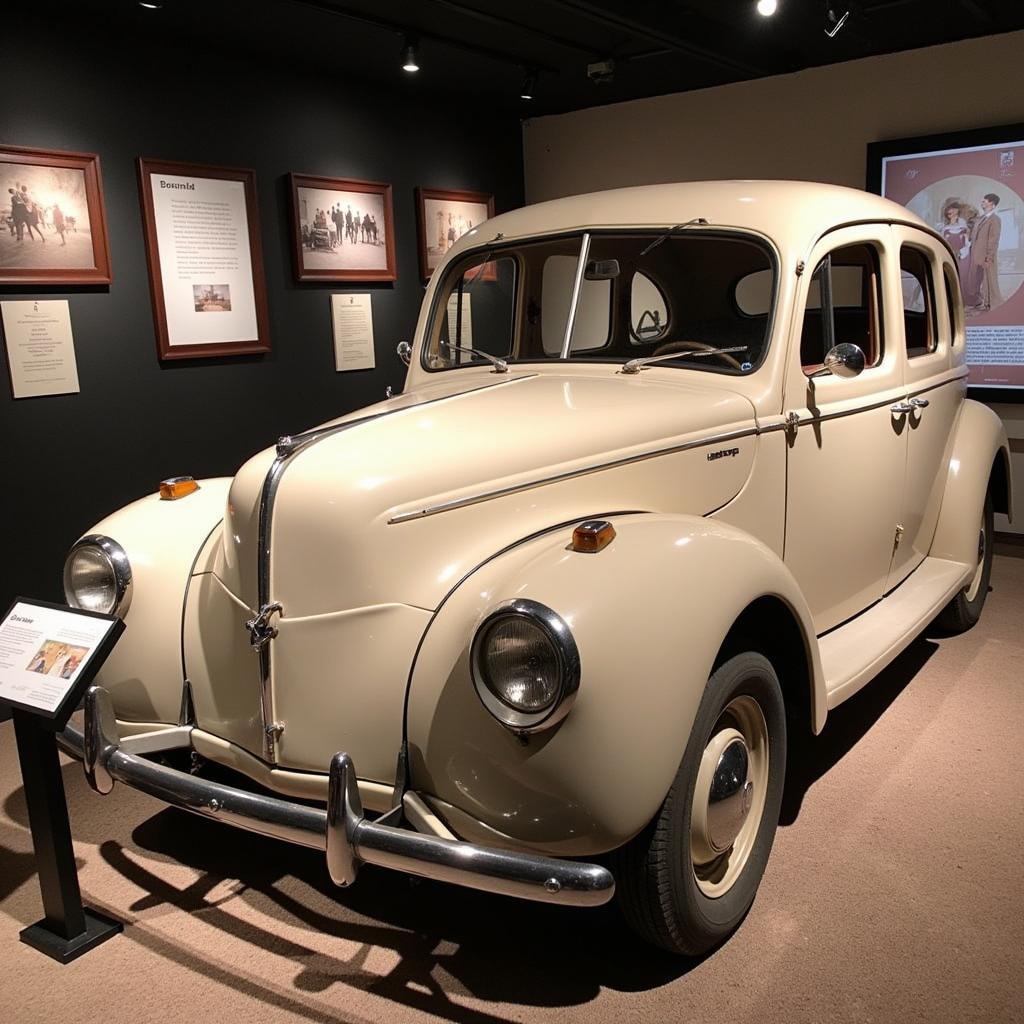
(53, 228)
(443, 217)
(205, 259)
(342, 229)
(969, 186)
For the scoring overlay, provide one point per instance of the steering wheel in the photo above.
(699, 346)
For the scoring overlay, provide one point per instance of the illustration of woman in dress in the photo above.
(957, 232)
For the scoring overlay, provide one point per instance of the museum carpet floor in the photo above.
(894, 893)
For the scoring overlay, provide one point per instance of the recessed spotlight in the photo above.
(409, 61)
(529, 86)
(766, 8)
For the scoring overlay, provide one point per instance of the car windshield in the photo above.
(682, 295)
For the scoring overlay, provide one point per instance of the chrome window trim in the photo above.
(558, 632)
(118, 559)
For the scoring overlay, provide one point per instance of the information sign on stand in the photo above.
(49, 654)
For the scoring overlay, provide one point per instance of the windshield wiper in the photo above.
(671, 231)
(636, 365)
(500, 366)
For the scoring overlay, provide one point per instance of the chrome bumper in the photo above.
(341, 831)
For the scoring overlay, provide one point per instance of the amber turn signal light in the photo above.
(592, 536)
(177, 487)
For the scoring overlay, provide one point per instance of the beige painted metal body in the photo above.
(393, 538)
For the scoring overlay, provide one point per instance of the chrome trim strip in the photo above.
(345, 835)
(574, 300)
(474, 499)
(878, 405)
(287, 447)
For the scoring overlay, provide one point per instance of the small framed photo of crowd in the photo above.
(205, 259)
(969, 186)
(342, 229)
(443, 216)
(53, 229)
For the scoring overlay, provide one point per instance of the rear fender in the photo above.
(649, 615)
(980, 453)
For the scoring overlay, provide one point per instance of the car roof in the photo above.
(792, 213)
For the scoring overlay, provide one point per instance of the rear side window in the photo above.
(919, 325)
(843, 305)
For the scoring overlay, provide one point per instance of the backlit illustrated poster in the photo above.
(205, 260)
(972, 194)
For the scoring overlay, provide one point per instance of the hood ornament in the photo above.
(261, 632)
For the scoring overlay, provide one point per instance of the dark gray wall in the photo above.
(69, 460)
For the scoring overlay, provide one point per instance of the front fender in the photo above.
(649, 614)
(162, 539)
(980, 440)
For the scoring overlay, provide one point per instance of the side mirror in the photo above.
(844, 361)
(404, 351)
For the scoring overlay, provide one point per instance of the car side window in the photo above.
(919, 325)
(843, 305)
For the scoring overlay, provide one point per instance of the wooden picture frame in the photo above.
(196, 204)
(436, 235)
(54, 183)
(958, 169)
(327, 237)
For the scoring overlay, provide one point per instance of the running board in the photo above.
(856, 652)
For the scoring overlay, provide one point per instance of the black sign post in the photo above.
(68, 929)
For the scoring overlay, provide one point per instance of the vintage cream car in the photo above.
(676, 470)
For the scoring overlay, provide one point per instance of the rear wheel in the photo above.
(687, 880)
(965, 609)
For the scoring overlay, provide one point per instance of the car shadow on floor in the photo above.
(445, 941)
(811, 757)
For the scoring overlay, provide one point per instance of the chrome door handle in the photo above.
(919, 403)
(901, 408)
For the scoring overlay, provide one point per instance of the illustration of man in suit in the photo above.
(983, 272)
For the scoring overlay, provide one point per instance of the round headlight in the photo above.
(526, 666)
(97, 576)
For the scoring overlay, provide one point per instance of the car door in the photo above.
(847, 449)
(935, 385)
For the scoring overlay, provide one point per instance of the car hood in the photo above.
(399, 502)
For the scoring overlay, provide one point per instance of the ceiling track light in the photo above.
(409, 60)
(151, 5)
(766, 8)
(835, 18)
(529, 86)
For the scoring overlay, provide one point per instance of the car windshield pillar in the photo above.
(574, 301)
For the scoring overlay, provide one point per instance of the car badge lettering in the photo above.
(723, 453)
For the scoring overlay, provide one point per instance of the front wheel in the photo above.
(686, 881)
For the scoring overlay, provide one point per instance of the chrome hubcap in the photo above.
(729, 796)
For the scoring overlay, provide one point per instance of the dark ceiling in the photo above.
(478, 52)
